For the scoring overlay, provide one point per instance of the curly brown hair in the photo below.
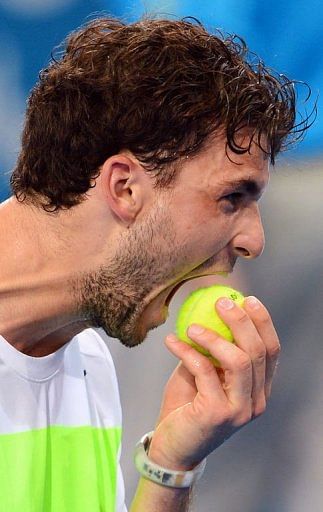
(158, 88)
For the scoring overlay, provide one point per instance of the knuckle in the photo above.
(243, 362)
(204, 364)
(209, 337)
(259, 357)
(274, 350)
(259, 408)
(243, 418)
(223, 419)
(241, 317)
(264, 317)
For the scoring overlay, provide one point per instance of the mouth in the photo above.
(173, 291)
(178, 285)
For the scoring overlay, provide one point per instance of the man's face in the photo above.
(198, 227)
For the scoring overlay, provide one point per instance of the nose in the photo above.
(249, 242)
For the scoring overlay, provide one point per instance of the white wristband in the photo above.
(162, 476)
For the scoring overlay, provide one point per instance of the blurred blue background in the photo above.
(288, 35)
(275, 465)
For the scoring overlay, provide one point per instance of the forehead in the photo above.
(217, 167)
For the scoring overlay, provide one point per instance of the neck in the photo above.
(36, 303)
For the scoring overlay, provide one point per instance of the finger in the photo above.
(200, 366)
(267, 332)
(235, 363)
(179, 390)
(184, 383)
(248, 339)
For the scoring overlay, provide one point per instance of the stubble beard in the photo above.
(113, 297)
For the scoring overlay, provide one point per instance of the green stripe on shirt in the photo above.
(59, 469)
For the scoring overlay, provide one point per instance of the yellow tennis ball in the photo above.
(199, 308)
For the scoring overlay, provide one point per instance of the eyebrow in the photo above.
(245, 186)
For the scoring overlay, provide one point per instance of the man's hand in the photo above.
(204, 405)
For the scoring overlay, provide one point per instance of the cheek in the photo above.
(201, 227)
(203, 238)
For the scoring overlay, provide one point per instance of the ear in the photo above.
(125, 184)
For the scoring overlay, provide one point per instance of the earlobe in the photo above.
(122, 187)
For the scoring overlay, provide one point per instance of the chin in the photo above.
(139, 333)
(132, 336)
(132, 329)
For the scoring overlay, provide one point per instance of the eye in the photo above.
(235, 197)
(233, 201)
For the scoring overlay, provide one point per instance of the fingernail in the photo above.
(253, 302)
(225, 303)
(195, 330)
(172, 338)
